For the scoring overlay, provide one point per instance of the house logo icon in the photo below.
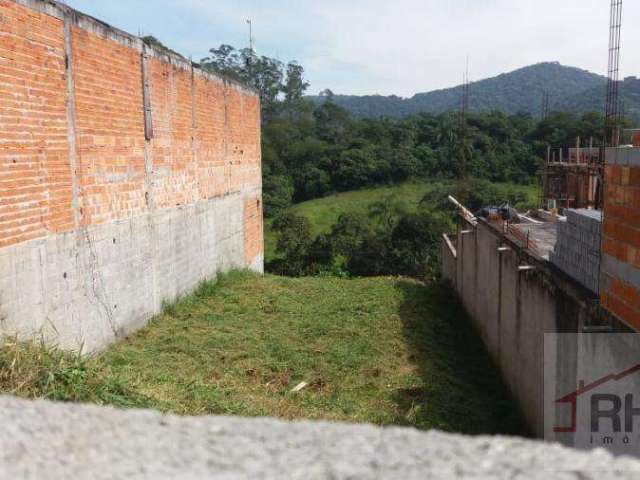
(621, 409)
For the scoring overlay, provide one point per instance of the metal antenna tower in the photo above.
(249, 59)
(546, 105)
(612, 107)
(250, 34)
(464, 104)
(462, 130)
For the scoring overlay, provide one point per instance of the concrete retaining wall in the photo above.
(512, 308)
(127, 176)
(448, 256)
(87, 288)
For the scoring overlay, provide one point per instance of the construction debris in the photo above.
(299, 387)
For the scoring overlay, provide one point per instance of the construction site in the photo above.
(132, 260)
(571, 266)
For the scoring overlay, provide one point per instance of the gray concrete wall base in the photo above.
(87, 288)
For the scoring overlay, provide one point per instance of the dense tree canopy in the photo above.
(311, 150)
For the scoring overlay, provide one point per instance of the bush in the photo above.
(294, 243)
(278, 193)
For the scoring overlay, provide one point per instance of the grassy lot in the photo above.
(324, 212)
(380, 350)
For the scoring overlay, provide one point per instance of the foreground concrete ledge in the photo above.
(46, 440)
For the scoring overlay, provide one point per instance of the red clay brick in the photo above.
(206, 140)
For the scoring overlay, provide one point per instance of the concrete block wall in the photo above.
(127, 176)
(620, 275)
(577, 249)
(512, 309)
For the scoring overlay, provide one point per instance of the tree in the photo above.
(415, 244)
(295, 85)
(331, 121)
(387, 211)
(294, 242)
(348, 232)
(278, 193)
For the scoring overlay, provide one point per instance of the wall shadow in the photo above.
(459, 387)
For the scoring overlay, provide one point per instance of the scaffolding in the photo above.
(570, 177)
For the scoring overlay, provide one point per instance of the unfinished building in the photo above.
(570, 177)
(128, 175)
(556, 294)
(577, 273)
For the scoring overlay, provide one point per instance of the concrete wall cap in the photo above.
(46, 440)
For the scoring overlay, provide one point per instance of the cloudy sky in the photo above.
(384, 46)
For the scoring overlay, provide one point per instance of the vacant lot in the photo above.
(381, 350)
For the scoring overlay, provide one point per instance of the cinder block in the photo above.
(577, 250)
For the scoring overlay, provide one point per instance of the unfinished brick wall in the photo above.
(79, 156)
(620, 265)
(109, 128)
(35, 179)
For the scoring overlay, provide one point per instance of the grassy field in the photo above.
(379, 350)
(324, 212)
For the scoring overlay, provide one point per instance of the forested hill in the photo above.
(514, 92)
(592, 100)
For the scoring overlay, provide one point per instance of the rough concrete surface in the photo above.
(46, 440)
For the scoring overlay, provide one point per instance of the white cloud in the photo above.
(418, 45)
(405, 46)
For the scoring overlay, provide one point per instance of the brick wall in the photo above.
(35, 179)
(109, 128)
(620, 268)
(206, 132)
(117, 161)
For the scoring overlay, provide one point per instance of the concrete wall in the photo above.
(578, 244)
(448, 256)
(512, 309)
(127, 176)
(65, 441)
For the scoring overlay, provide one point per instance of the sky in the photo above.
(387, 47)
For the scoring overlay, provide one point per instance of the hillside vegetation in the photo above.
(323, 213)
(315, 150)
(520, 91)
(387, 351)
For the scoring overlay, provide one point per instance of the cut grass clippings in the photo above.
(378, 350)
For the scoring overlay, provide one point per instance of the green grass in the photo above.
(378, 350)
(324, 212)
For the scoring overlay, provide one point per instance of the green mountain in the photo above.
(519, 91)
(593, 99)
